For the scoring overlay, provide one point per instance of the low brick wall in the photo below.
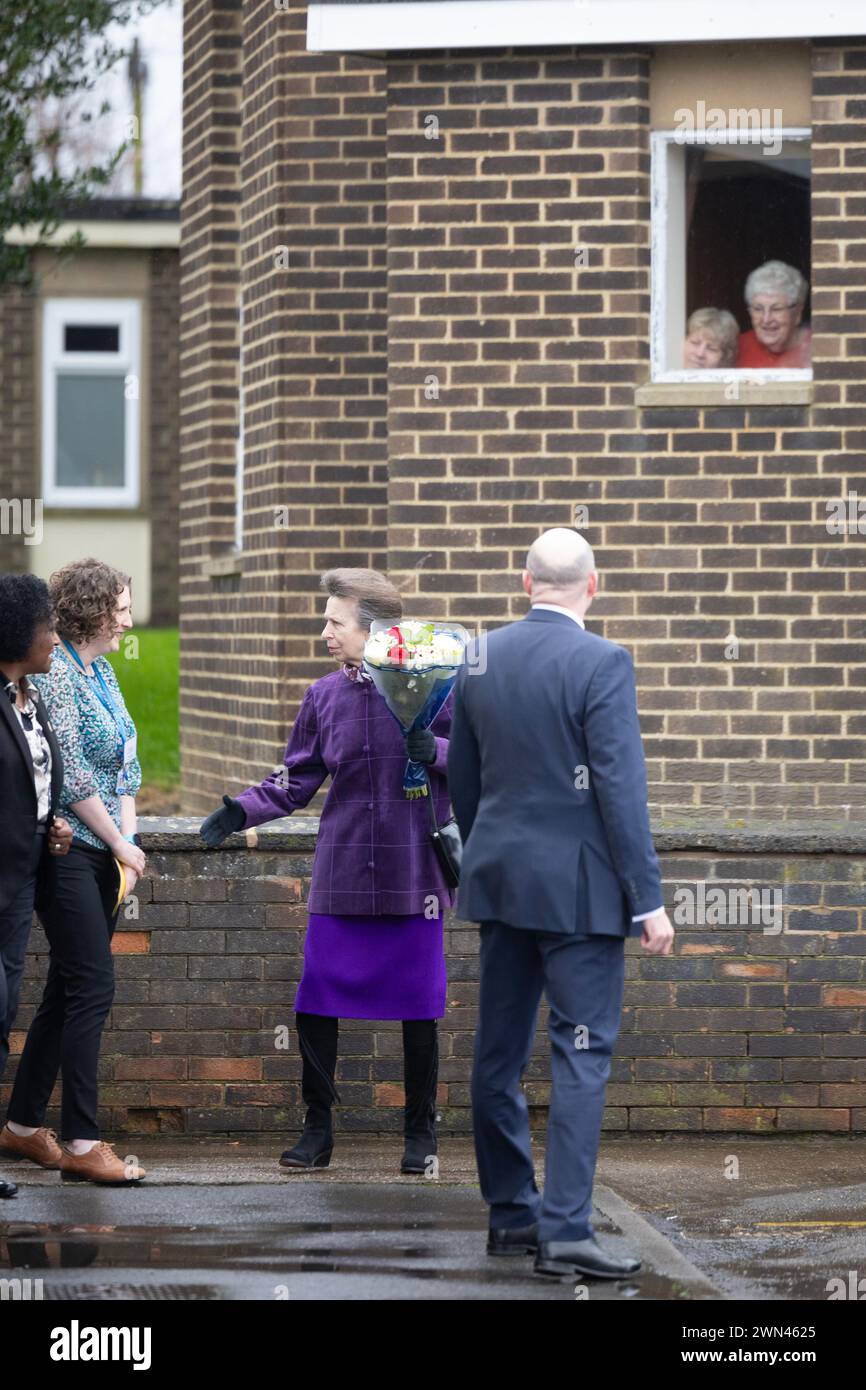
(751, 1026)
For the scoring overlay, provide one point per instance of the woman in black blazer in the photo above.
(31, 776)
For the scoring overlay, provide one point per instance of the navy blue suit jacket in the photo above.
(547, 779)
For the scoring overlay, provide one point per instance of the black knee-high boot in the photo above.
(420, 1076)
(317, 1037)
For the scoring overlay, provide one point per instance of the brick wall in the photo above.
(164, 488)
(706, 521)
(18, 435)
(284, 198)
(748, 1028)
(209, 287)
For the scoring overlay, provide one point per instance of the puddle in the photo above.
(430, 1251)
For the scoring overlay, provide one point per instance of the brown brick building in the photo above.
(435, 267)
(89, 400)
(436, 263)
(445, 261)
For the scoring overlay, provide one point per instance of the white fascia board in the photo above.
(441, 24)
(147, 236)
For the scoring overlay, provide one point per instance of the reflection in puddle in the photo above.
(302, 1248)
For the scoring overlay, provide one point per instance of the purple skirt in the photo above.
(373, 967)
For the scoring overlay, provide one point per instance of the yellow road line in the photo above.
(810, 1223)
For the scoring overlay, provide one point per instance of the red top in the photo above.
(752, 353)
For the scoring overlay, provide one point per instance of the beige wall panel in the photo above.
(731, 75)
(118, 540)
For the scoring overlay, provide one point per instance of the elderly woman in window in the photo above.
(711, 339)
(775, 295)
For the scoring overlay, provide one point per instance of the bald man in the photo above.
(547, 779)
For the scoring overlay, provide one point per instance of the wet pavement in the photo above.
(713, 1219)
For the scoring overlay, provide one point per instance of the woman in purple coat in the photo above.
(373, 947)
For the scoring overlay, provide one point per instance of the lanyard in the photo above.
(103, 695)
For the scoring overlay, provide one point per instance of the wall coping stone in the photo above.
(180, 834)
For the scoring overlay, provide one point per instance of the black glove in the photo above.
(421, 746)
(230, 817)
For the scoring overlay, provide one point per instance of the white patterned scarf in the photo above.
(40, 752)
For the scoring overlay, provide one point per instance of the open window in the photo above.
(91, 364)
(724, 203)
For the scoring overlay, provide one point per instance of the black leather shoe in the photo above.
(558, 1257)
(417, 1153)
(313, 1150)
(518, 1240)
(8, 1189)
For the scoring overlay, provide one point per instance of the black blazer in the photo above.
(18, 805)
(547, 779)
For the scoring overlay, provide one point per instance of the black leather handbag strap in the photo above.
(434, 824)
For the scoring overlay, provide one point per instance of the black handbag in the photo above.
(447, 842)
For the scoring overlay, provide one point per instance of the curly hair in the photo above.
(775, 276)
(85, 595)
(374, 594)
(25, 606)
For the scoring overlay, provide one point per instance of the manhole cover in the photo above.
(134, 1292)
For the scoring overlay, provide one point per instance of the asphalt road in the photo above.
(713, 1219)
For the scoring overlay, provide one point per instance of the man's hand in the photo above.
(421, 746)
(658, 934)
(59, 836)
(230, 817)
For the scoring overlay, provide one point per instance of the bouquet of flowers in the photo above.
(414, 665)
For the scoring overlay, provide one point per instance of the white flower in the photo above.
(415, 646)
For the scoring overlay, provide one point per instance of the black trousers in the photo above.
(65, 1035)
(16, 919)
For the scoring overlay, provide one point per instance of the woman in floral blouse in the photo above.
(101, 778)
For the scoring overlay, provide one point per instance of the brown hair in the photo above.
(375, 595)
(85, 595)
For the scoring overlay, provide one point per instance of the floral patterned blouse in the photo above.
(88, 738)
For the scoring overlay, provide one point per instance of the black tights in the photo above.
(318, 1037)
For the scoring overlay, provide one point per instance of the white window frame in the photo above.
(668, 300)
(126, 314)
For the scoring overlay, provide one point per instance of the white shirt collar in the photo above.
(555, 608)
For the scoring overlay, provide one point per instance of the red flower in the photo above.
(397, 651)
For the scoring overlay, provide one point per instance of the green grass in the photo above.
(148, 677)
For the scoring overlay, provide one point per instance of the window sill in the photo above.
(223, 566)
(102, 511)
(734, 393)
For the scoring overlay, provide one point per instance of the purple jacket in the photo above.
(373, 852)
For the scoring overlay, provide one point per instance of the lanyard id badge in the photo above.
(129, 755)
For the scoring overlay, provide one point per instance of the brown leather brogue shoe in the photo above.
(41, 1147)
(100, 1164)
